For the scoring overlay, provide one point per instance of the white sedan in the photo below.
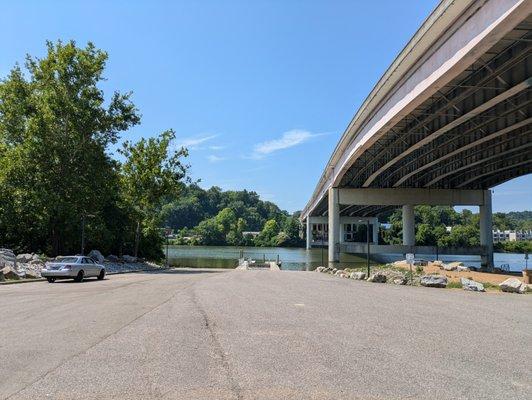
(72, 267)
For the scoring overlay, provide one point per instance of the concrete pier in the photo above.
(409, 229)
(341, 227)
(309, 234)
(334, 226)
(486, 229)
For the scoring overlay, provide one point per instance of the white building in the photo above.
(511, 236)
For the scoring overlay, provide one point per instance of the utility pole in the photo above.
(83, 217)
(137, 238)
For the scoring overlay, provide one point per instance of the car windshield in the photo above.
(66, 259)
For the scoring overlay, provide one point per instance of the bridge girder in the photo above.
(442, 125)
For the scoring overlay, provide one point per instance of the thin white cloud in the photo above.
(215, 148)
(289, 139)
(192, 143)
(213, 158)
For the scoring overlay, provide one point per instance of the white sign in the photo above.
(410, 258)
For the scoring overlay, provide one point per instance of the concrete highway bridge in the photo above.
(449, 119)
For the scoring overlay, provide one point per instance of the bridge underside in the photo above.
(451, 118)
(474, 132)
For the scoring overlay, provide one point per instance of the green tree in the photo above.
(461, 236)
(151, 173)
(290, 235)
(227, 220)
(210, 233)
(268, 234)
(55, 129)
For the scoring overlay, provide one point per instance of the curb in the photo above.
(15, 282)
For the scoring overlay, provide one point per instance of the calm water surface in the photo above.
(301, 259)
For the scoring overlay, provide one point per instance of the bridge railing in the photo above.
(362, 248)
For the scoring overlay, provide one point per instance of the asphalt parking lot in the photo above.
(206, 334)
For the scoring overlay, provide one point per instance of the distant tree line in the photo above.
(216, 217)
(57, 130)
(444, 226)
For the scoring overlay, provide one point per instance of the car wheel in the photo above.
(50, 280)
(80, 276)
(101, 275)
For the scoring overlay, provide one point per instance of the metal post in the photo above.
(367, 237)
(167, 265)
(83, 234)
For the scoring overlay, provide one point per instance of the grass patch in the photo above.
(454, 285)
(487, 286)
(490, 286)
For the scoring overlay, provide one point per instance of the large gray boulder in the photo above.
(471, 285)
(437, 281)
(8, 259)
(96, 256)
(7, 255)
(358, 275)
(24, 258)
(320, 269)
(513, 285)
(10, 272)
(378, 277)
(400, 280)
(29, 270)
(341, 273)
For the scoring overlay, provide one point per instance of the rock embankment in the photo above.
(396, 274)
(379, 274)
(29, 265)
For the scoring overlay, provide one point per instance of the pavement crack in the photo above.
(210, 325)
(102, 339)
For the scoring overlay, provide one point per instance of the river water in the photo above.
(301, 259)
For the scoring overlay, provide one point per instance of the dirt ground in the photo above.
(454, 276)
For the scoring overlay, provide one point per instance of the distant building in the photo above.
(511, 236)
(251, 233)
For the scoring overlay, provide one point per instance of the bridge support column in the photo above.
(334, 226)
(409, 229)
(375, 225)
(309, 233)
(486, 231)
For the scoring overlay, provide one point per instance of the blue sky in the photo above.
(260, 91)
